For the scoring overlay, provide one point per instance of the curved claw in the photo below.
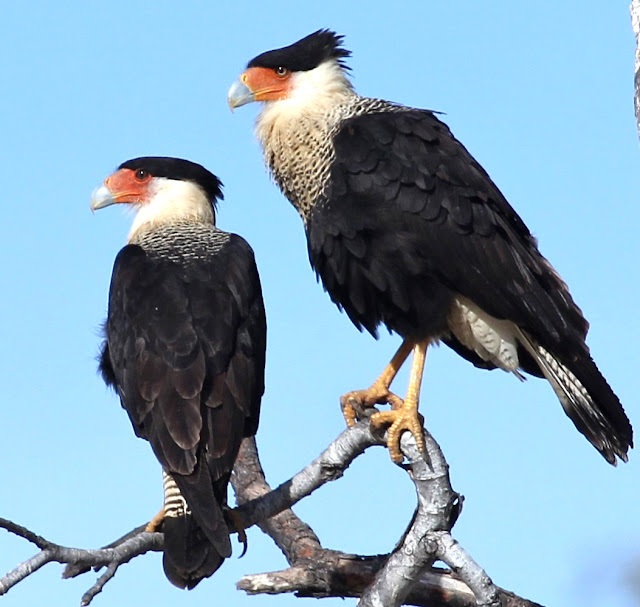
(349, 410)
(236, 524)
(404, 417)
(360, 404)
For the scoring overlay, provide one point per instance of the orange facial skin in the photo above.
(267, 84)
(128, 186)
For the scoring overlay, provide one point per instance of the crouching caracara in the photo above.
(184, 348)
(406, 229)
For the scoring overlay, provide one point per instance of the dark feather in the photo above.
(409, 220)
(185, 349)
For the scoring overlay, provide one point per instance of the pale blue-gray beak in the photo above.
(239, 94)
(101, 197)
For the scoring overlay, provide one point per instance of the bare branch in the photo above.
(319, 572)
(635, 23)
(25, 569)
(349, 575)
(138, 544)
(404, 576)
(21, 531)
(329, 466)
(87, 597)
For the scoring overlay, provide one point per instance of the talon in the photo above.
(395, 401)
(404, 417)
(348, 411)
(360, 404)
(155, 523)
(354, 404)
(236, 524)
(404, 413)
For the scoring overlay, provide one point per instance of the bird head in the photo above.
(161, 189)
(304, 70)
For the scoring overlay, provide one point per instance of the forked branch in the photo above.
(405, 576)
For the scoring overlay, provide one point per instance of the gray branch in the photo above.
(405, 576)
(635, 23)
(112, 558)
(428, 538)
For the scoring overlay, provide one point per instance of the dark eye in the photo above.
(141, 174)
(281, 71)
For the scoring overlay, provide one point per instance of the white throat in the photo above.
(314, 93)
(172, 201)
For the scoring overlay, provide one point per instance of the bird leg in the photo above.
(353, 403)
(406, 416)
(154, 524)
(236, 524)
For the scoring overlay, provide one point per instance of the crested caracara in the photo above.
(406, 229)
(184, 348)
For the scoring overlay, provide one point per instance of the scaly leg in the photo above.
(154, 524)
(406, 416)
(354, 402)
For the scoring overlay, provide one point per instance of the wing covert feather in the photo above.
(184, 337)
(402, 185)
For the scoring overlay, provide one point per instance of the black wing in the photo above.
(411, 219)
(406, 199)
(185, 350)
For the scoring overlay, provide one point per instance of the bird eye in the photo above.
(141, 174)
(281, 71)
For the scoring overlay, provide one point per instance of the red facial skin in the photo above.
(128, 185)
(267, 84)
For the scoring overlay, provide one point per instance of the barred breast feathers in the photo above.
(181, 241)
(297, 133)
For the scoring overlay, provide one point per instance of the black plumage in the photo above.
(411, 221)
(306, 54)
(406, 229)
(185, 351)
(406, 200)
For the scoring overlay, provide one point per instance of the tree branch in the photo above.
(138, 544)
(380, 580)
(404, 576)
(635, 24)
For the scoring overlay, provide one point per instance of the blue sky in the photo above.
(540, 93)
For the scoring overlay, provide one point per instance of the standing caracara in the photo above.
(406, 229)
(184, 348)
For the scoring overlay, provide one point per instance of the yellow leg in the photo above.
(154, 524)
(406, 416)
(378, 392)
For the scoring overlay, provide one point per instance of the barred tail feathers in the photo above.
(587, 399)
(189, 555)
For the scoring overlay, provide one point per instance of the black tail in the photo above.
(188, 555)
(196, 537)
(587, 399)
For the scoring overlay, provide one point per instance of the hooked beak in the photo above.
(239, 94)
(101, 197)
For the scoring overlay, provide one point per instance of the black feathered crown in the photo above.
(180, 169)
(306, 54)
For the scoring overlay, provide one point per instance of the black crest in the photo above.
(179, 169)
(306, 54)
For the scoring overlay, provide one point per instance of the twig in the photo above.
(314, 570)
(138, 544)
(329, 466)
(319, 572)
(88, 596)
